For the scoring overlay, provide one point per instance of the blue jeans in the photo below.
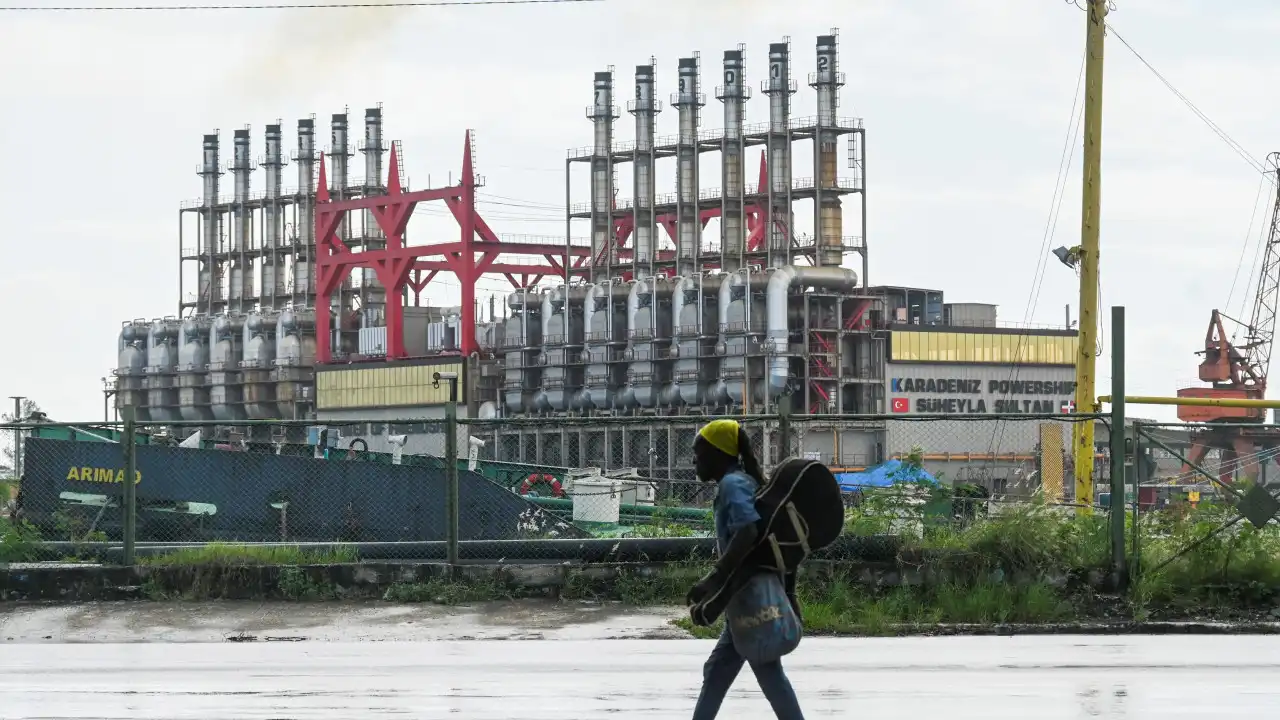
(721, 669)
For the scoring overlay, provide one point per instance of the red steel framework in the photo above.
(400, 267)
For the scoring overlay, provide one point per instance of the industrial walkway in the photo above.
(1046, 678)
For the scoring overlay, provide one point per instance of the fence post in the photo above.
(1135, 548)
(451, 467)
(1117, 443)
(784, 425)
(129, 495)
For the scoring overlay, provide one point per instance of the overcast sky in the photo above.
(967, 105)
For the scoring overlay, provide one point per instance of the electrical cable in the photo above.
(288, 6)
(1244, 247)
(1074, 123)
(1236, 147)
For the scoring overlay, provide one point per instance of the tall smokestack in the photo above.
(339, 183)
(210, 282)
(645, 107)
(602, 113)
(689, 100)
(828, 221)
(734, 94)
(241, 224)
(273, 280)
(304, 283)
(779, 87)
(373, 297)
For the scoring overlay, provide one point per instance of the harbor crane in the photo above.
(1238, 371)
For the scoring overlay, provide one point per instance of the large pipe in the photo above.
(734, 93)
(602, 114)
(645, 107)
(828, 221)
(780, 283)
(779, 87)
(689, 100)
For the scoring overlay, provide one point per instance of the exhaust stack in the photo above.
(733, 222)
(242, 294)
(304, 282)
(602, 114)
(689, 101)
(828, 220)
(210, 282)
(645, 107)
(779, 87)
(273, 274)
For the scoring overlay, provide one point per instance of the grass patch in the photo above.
(230, 555)
(18, 541)
(842, 606)
(449, 591)
(641, 585)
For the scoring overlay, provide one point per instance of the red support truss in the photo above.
(399, 266)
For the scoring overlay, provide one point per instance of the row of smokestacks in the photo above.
(220, 257)
(776, 200)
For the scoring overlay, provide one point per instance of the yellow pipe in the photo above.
(1193, 402)
(1082, 433)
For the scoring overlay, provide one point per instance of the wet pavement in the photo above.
(199, 622)
(584, 676)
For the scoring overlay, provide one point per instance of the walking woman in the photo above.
(722, 454)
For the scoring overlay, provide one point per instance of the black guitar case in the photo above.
(801, 511)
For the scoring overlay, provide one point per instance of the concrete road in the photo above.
(1045, 678)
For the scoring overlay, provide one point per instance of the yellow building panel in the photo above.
(378, 387)
(996, 348)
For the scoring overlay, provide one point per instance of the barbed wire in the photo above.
(288, 6)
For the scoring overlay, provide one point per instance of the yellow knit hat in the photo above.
(723, 435)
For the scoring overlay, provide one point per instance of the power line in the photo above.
(1222, 134)
(284, 6)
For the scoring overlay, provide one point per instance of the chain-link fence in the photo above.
(524, 489)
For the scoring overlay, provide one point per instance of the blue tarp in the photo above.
(885, 475)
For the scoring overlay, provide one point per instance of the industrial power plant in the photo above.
(306, 302)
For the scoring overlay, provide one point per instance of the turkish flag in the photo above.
(900, 405)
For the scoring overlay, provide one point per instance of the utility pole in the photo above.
(17, 435)
(1082, 432)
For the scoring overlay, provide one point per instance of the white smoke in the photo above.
(299, 52)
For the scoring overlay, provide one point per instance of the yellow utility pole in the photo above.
(1082, 433)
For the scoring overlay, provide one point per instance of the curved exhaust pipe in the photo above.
(781, 280)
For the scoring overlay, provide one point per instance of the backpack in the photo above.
(801, 511)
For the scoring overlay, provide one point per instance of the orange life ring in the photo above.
(556, 489)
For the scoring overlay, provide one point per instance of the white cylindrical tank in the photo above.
(226, 350)
(130, 370)
(193, 364)
(162, 361)
(596, 500)
(255, 368)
